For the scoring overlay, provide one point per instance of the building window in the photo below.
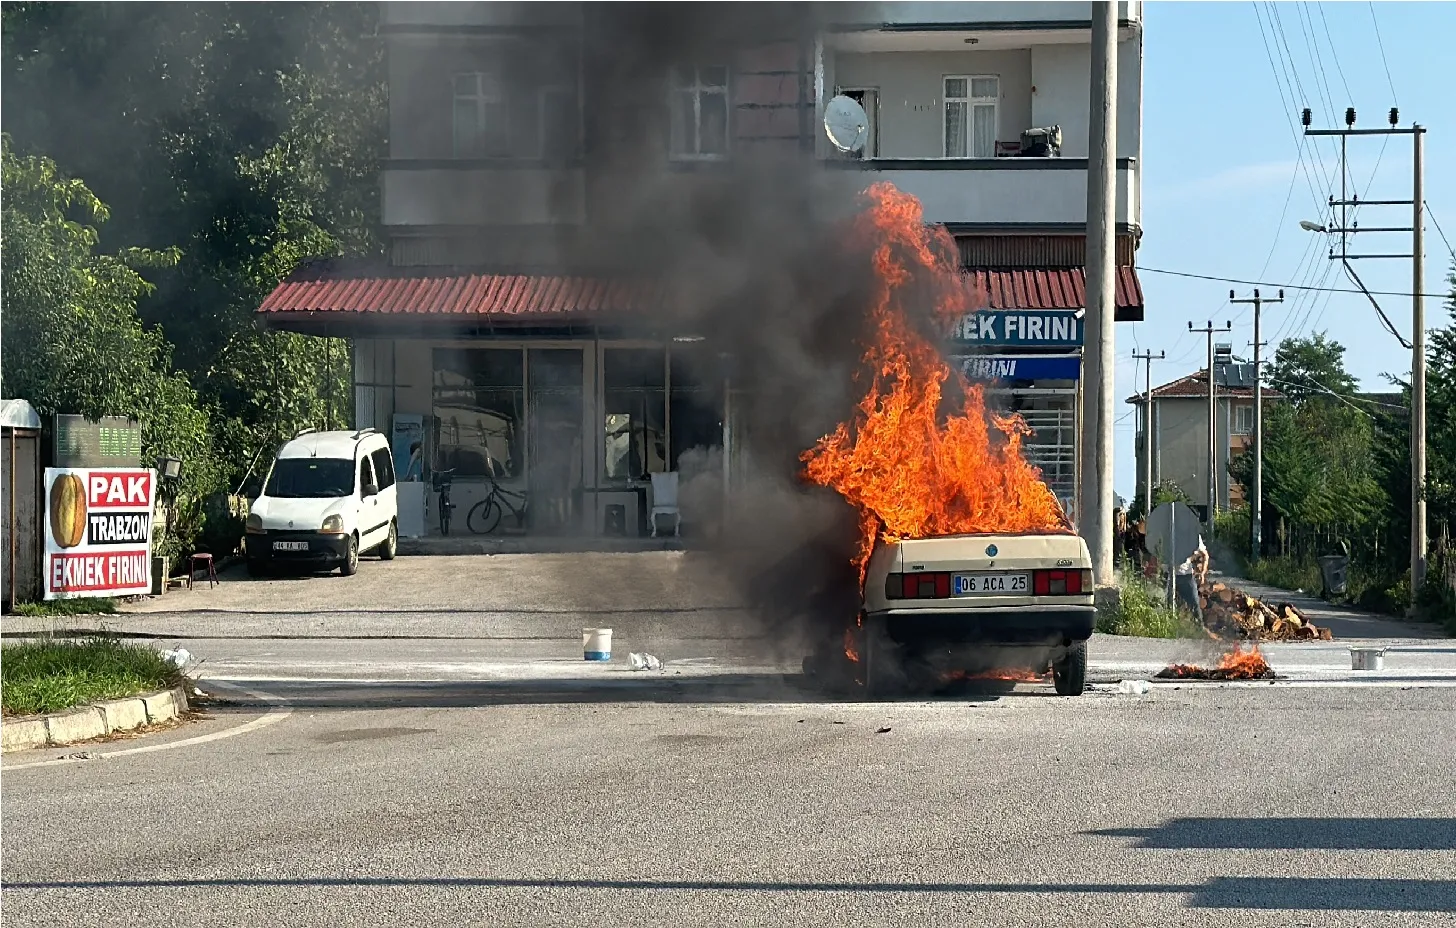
(478, 394)
(635, 426)
(970, 116)
(539, 119)
(481, 117)
(699, 104)
(1243, 420)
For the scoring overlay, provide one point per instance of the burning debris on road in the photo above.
(1237, 664)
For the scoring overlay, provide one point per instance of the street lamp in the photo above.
(1308, 226)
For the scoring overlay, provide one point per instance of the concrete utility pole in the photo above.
(1209, 330)
(1256, 506)
(1418, 308)
(1096, 479)
(1148, 358)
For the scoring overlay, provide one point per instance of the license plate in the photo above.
(290, 546)
(972, 584)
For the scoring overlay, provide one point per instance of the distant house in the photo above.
(1180, 435)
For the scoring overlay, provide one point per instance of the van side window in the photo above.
(383, 467)
(366, 473)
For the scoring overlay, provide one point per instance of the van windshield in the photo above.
(310, 478)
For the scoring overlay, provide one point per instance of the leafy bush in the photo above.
(1141, 612)
(48, 676)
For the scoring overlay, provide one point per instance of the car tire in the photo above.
(880, 668)
(390, 548)
(1069, 675)
(351, 559)
(259, 569)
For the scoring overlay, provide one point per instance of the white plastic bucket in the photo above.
(596, 644)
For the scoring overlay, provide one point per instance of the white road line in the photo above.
(280, 711)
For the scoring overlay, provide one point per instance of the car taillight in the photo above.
(920, 585)
(1061, 582)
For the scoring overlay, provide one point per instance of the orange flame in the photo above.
(1018, 675)
(1237, 664)
(851, 649)
(910, 473)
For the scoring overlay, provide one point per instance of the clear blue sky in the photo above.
(1221, 155)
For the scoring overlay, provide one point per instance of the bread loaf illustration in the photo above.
(68, 510)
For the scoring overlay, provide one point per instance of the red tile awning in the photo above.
(1054, 288)
(427, 292)
(320, 292)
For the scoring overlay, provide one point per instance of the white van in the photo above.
(329, 497)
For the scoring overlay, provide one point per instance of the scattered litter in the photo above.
(178, 657)
(83, 755)
(837, 723)
(1133, 687)
(644, 661)
(881, 731)
(801, 720)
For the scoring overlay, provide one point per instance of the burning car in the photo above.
(976, 602)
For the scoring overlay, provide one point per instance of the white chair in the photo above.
(664, 501)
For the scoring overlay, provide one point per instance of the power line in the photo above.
(1334, 54)
(1288, 108)
(1265, 283)
(1383, 60)
(1439, 230)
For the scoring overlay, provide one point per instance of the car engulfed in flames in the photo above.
(930, 470)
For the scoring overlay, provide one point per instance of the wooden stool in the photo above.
(211, 570)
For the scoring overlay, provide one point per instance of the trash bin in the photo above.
(1334, 572)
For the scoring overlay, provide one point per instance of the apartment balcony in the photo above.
(449, 192)
(1046, 193)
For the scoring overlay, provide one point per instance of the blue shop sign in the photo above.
(1019, 367)
(1060, 328)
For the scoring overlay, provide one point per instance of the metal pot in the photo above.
(1367, 658)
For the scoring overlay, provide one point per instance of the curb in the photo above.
(94, 721)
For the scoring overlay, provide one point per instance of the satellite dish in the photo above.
(846, 124)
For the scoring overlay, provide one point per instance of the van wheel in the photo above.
(1069, 674)
(351, 560)
(390, 548)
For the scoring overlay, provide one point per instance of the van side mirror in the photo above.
(371, 489)
(253, 488)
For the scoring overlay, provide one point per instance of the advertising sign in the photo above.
(98, 537)
(1020, 367)
(407, 442)
(1052, 328)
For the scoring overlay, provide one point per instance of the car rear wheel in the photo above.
(1069, 674)
(351, 560)
(880, 665)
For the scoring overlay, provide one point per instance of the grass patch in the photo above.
(62, 607)
(50, 675)
(1141, 612)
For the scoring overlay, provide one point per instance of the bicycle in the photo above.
(485, 516)
(442, 480)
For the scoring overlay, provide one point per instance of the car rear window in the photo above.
(310, 478)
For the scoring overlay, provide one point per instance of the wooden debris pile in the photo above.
(1230, 612)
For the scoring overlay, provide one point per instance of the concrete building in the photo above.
(502, 331)
(1180, 435)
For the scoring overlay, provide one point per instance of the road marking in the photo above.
(280, 710)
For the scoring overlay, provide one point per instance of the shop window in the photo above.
(634, 381)
(478, 401)
(696, 403)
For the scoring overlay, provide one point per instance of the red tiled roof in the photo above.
(431, 292)
(1195, 385)
(322, 288)
(1056, 288)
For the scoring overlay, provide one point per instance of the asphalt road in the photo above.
(469, 779)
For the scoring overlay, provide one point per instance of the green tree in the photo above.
(73, 340)
(245, 135)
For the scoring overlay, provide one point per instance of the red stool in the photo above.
(211, 570)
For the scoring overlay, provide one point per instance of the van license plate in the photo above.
(972, 584)
(290, 546)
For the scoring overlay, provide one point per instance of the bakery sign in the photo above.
(1023, 328)
(98, 538)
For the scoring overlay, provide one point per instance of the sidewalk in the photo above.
(1345, 622)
